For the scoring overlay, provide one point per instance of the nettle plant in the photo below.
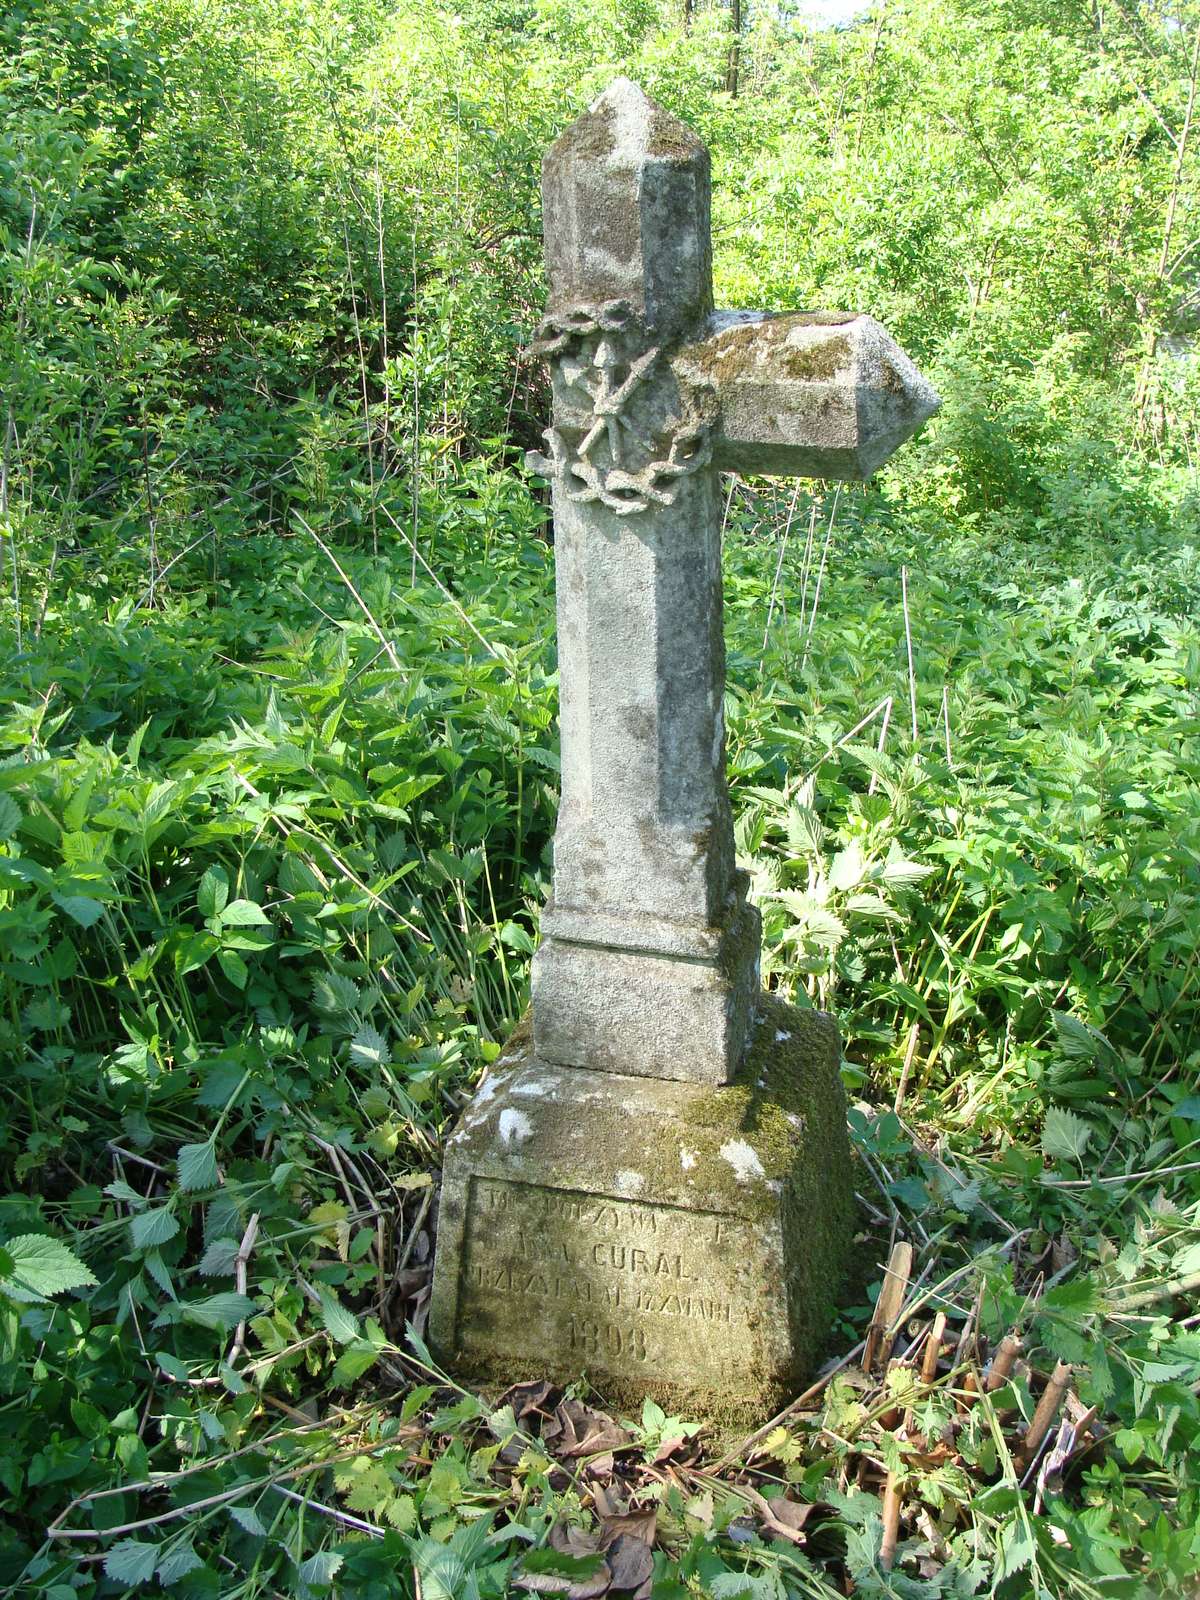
(831, 899)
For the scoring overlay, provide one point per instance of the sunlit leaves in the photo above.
(34, 1267)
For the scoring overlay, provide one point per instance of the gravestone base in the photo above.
(661, 1238)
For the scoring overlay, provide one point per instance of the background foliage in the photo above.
(279, 754)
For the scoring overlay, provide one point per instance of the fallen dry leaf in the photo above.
(570, 1540)
(578, 1430)
(630, 1563)
(527, 1399)
(791, 1514)
(638, 1524)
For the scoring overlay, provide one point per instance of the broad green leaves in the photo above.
(1065, 1137)
(34, 1267)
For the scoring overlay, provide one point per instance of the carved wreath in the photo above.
(625, 491)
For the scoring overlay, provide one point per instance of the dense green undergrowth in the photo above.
(278, 773)
(271, 876)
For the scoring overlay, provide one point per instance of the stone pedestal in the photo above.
(661, 1238)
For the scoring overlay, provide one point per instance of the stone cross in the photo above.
(649, 960)
(655, 1189)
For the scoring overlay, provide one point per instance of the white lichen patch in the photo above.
(743, 1159)
(781, 1035)
(488, 1088)
(629, 1182)
(538, 1087)
(687, 1158)
(515, 1126)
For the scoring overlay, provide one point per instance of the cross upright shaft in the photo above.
(650, 949)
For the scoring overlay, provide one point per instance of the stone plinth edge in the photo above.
(648, 1013)
(661, 1238)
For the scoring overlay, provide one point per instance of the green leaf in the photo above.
(149, 1229)
(131, 1562)
(334, 994)
(354, 1360)
(249, 1520)
(41, 1267)
(901, 874)
(320, 1570)
(196, 1165)
(234, 968)
(177, 1564)
(564, 1565)
(213, 893)
(1078, 1041)
(219, 1259)
(368, 1047)
(217, 1312)
(1064, 1135)
(80, 907)
(10, 816)
(340, 1324)
(243, 914)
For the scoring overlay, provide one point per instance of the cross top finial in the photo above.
(626, 203)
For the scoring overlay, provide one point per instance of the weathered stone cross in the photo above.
(655, 1189)
(650, 956)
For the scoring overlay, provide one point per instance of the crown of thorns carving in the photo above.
(689, 444)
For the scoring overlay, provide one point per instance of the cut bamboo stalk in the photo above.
(889, 1305)
(1002, 1362)
(891, 1522)
(1047, 1410)
(933, 1348)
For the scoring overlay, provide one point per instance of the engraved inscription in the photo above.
(624, 1284)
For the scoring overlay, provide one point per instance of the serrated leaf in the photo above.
(221, 1082)
(10, 816)
(560, 1563)
(354, 1360)
(1017, 1549)
(217, 1312)
(370, 1490)
(846, 869)
(131, 1562)
(320, 1570)
(1079, 1041)
(1064, 1135)
(368, 1047)
(340, 1324)
(158, 1270)
(41, 1267)
(401, 1513)
(334, 994)
(219, 1259)
(900, 874)
(442, 1571)
(177, 1564)
(249, 1520)
(196, 1165)
(150, 1229)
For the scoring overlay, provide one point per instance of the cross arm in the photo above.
(807, 394)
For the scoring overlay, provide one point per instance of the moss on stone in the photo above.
(671, 139)
(768, 1153)
(741, 349)
(593, 136)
